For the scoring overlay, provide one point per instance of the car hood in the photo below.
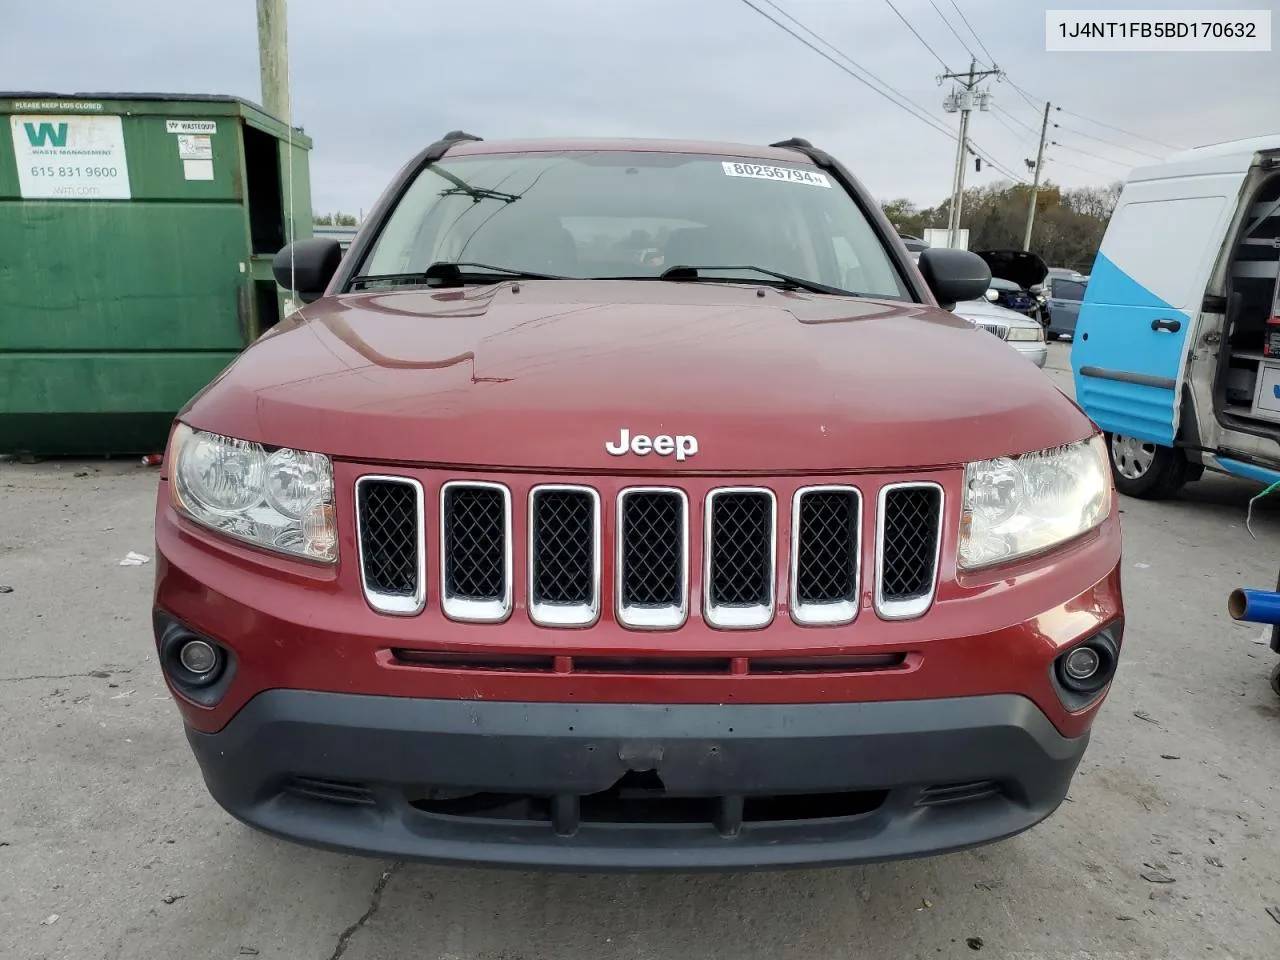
(1017, 266)
(541, 375)
(986, 310)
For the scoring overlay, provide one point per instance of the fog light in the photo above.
(1083, 671)
(198, 657)
(1081, 663)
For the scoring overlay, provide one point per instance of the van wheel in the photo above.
(1144, 470)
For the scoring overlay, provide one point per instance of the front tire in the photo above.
(1145, 470)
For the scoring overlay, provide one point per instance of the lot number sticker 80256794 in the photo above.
(733, 168)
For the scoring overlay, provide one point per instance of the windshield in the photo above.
(603, 214)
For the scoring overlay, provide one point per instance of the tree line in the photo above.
(1068, 229)
(338, 219)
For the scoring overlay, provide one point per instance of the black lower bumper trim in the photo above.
(633, 787)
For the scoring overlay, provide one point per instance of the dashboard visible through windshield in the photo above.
(611, 214)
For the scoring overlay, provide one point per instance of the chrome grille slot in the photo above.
(740, 554)
(826, 545)
(564, 555)
(908, 538)
(998, 329)
(652, 557)
(475, 534)
(390, 531)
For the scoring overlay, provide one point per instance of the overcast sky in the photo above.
(375, 80)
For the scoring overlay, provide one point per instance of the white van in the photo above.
(1172, 357)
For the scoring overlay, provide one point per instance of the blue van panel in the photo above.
(1250, 471)
(1118, 311)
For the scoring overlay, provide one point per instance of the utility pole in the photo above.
(1035, 184)
(963, 99)
(273, 57)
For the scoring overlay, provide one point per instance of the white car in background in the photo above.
(1019, 331)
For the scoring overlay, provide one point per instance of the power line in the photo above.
(917, 33)
(897, 99)
(1032, 101)
(1127, 133)
(1067, 146)
(974, 32)
(1110, 143)
(914, 109)
(1035, 103)
(1026, 126)
(956, 33)
(1019, 134)
(1067, 163)
(973, 148)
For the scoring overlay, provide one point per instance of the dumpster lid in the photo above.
(171, 97)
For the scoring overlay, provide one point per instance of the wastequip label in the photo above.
(70, 157)
(191, 126)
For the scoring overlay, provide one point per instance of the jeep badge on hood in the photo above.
(663, 445)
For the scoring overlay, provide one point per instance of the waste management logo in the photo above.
(70, 157)
(46, 134)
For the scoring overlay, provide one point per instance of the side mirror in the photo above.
(306, 266)
(992, 294)
(954, 275)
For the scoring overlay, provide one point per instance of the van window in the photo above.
(1149, 259)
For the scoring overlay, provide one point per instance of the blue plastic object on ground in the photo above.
(1254, 606)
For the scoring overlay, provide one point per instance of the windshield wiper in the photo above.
(785, 280)
(475, 193)
(448, 273)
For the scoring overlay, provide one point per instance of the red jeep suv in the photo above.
(634, 504)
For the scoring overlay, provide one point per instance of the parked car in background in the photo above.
(1066, 273)
(1022, 333)
(1017, 277)
(914, 245)
(1065, 295)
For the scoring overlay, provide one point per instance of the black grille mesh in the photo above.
(389, 537)
(827, 547)
(911, 520)
(563, 541)
(741, 536)
(652, 550)
(475, 543)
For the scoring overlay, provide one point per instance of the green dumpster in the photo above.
(136, 237)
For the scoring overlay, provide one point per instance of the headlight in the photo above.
(281, 500)
(1016, 506)
(1025, 333)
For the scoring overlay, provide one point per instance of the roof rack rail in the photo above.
(441, 146)
(800, 144)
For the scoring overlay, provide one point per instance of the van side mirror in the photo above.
(305, 267)
(954, 275)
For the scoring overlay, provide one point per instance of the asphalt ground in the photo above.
(110, 847)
